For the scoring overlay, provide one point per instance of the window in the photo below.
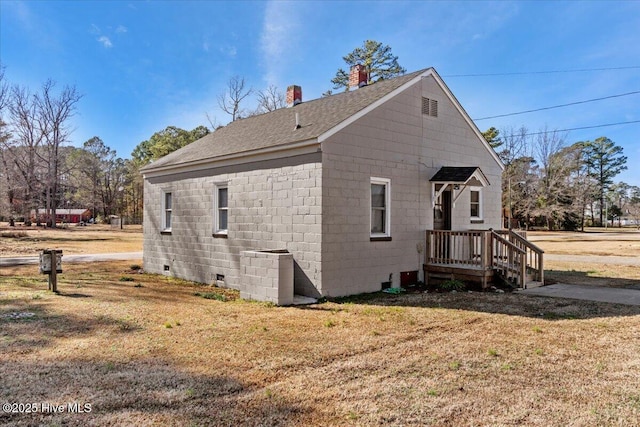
(221, 209)
(380, 209)
(476, 203)
(167, 205)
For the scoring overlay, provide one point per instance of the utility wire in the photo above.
(581, 70)
(559, 106)
(580, 128)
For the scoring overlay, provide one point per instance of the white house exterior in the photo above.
(344, 183)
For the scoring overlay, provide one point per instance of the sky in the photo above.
(145, 65)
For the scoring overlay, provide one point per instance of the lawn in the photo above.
(601, 243)
(150, 350)
(92, 239)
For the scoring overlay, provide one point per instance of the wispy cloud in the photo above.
(276, 40)
(121, 29)
(230, 51)
(106, 42)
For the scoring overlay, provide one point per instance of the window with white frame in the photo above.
(221, 209)
(380, 207)
(167, 210)
(476, 203)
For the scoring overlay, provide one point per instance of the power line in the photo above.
(558, 106)
(579, 128)
(521, 73)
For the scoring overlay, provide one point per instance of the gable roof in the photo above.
(318, 119)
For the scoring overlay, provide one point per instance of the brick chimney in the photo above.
(294, 95)
(358, 76)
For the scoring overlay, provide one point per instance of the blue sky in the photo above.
(145, 65)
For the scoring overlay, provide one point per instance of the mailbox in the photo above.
(45, 261)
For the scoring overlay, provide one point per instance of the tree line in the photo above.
(38, 170)
(551, 183)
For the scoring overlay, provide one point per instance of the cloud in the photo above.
(276, 40)
(229, 51)
(121, 29)
(105, 41)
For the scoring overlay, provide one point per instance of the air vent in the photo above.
(429, 107)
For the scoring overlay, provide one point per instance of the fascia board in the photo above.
(270, 153)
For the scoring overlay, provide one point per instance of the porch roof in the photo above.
(457, 178)
(465, 175)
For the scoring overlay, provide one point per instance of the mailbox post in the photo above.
(51, 264)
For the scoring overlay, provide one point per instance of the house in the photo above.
(344, 187)
(72, 216)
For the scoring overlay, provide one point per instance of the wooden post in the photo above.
(53, 276)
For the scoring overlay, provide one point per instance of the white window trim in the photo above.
(387, 205)
(480, 203)
(216, 208)
(164, 210)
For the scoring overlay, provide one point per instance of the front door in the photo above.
(442, 212)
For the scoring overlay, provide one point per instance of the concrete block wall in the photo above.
(272, 205)
(266, 276)
(395, 141)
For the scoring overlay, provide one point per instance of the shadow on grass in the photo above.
(27, 327)
(140, 392)
(512, 304)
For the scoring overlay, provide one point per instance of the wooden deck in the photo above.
(481, 255)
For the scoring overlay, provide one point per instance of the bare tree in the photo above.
(270, 99)
(53, 115)
(4, 91)
(553, 169)
(230, 100)
(5, 180)
(21, 149)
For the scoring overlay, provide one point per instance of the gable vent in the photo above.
(429, 107)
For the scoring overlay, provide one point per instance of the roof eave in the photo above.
(268, 153)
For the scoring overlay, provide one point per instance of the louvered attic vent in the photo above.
(429, 107)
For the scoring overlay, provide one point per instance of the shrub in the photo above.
(452, 285)
(126, 279)
(211, 295)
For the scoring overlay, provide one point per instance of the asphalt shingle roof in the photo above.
(277, 128)
(454, 174)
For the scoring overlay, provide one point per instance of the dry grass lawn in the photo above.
(92, 239)
(596, 241)
(146, 350)
(599, 242)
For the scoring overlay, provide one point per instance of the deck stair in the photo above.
(482, 255)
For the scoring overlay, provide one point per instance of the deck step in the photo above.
(533, 284)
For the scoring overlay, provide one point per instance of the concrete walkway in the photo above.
(8, 262)
(588, 293)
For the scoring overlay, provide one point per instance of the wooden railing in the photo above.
(534, 258)
(464, 248)
(509, 260)
(507, 252)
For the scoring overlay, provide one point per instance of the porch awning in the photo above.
(457, 178)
